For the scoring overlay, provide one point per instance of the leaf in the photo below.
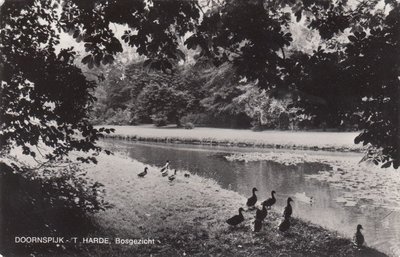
(147, 62)
(91, 63)
(352, 38)
(87, 59)
(298, 15)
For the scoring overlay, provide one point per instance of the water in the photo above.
(381, 225)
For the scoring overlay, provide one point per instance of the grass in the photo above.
(330, 141)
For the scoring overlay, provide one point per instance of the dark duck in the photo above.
(143, 173)
(358, 237)
(261, 214)
(237, 219)
(172, 177)
(253, 199)
(270, 201)
(287, 213)
(285, 225)
(257, 225)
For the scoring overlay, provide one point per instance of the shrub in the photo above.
(159, 119)
(49, 202)
(188, 125)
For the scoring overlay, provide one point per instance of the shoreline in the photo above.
(293, 140)
(186, 217)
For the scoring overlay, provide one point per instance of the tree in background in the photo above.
(267, 111)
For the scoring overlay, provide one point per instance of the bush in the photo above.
(159, 119)
(50, 203)
(188, 125)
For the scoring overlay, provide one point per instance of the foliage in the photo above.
(44, 97)
(144, 95)
(332, 82)
(188, 125)
(354, 71)
(265, 110)
(56, 200)
(374, 66)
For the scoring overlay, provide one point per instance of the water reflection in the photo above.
(381, 226)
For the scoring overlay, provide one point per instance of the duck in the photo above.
(172, 177)
(164, 173)
(143, 173)
(237, 219)
(261, 214)
(270, 201)
(287, 213)
(358, 237)
(165, 167)
(285, 225)
(253, 199)
(257, 225)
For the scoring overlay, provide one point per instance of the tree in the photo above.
(253, 36)
(44, 97)
(358, 75)
(373, 65)
(265, 110)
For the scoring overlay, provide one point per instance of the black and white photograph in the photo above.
(199, 128)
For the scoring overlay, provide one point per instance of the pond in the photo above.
(315, 200)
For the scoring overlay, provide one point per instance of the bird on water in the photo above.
(253, 199)
(287, 213)
(270, 201)
(358, 237)
(237, 219)
(143, 173)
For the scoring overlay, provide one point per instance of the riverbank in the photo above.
(186, 217)
(303, 140)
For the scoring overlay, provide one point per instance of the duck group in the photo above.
(262, 213)
(164, 172)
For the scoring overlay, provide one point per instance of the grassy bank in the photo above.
(186, 217)
(328, 141)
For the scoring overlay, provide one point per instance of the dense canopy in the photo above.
(353, 75)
